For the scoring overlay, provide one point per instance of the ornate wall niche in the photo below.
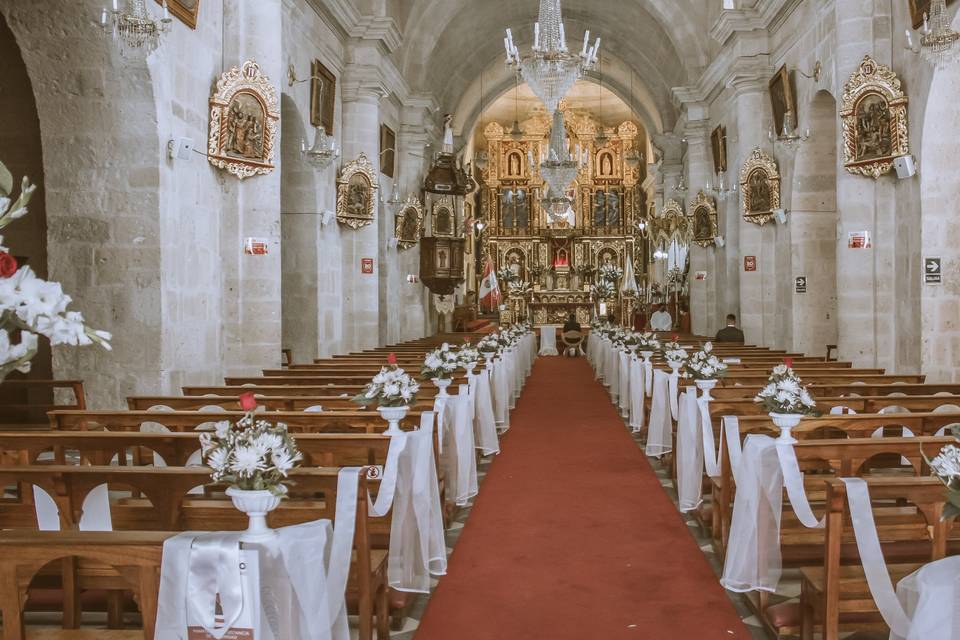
(672, 224)
(704, 220)
(243, 122)
(356, 193)
(873, 110)
(760, 182)
(443, 217)
(409, 223)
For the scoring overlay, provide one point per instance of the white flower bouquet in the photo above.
(785, 394)
(489, 344)
(440, 363)
(704, 365)
(610, 273)
(647, 342)
(392, 387)
(677, 355)
(253, 454)
(468, 355)
(28, 304)
(946, 466)
(603, 290)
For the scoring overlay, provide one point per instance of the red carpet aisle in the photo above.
(572, 536)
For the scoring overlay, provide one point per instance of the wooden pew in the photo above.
(270, 403)
(835, 595)
(819, 388)
(171, 509)
(24, 403)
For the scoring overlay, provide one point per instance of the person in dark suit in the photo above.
(571, 324)
(730, 333)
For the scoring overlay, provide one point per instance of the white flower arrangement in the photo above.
(610, 273)
(440, 363)
(253, 455)
(603, 290)
(784, 393)
(519, 287)
(946, 466)
(28, 304)
(392, 387)
(648, 342)
(704, 365)
(468, 355)
(489, 344)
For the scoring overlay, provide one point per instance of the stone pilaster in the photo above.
(252, 284)
(699, 167)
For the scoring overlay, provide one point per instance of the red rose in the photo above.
(676, 337)
(8, 265)
(248, 402)
(788, 362)
(392, 359)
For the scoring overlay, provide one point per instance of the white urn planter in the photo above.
(705, 386)
(441, 384)
(393, 416)
(786, 422)
(469, 367)
(674, 366)
(646, 356)
(256, 504)
(488, 356)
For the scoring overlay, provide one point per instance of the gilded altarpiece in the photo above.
(558, 249)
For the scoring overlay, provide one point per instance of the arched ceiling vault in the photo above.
(448, 42)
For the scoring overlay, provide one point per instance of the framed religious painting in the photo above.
(760, 182)
(409, 223)
(185, 10)
(919, 9)
(704, 214)
(356, 193)
(244, 113)
(873, 111)
(718, 144)
(782, 98)
(388, 150)
(323, 96)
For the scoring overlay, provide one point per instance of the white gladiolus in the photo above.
(947, 463)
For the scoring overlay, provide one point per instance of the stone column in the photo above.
(750, 106)
(251, 284)
(362, 90)
(703, 293)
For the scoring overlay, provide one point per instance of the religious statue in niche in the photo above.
(514, 164)
(515, 263)
(605, 166)
(704, 220)
(873, 110)
(409, 223)
(760, 182)
(243, 122)
(356, 189)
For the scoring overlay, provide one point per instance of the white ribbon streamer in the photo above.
(689, 453)
(637, 385)
(660, 428)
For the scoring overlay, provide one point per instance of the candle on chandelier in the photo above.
(586, 43)
(536, 35)
(103, 17)
(115, 6)
(563, 38)
(166, 11)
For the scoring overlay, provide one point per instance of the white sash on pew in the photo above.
(637, 374)
(674, 394)
(519, 371)
(612, 379)
(660, 427)
(198, 566)
(753, 559)
(501, 394)
(460, 457)
(930, 597)
(485, 424)
(689, 453)
(623, 375)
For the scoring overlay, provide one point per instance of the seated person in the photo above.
(661, 320)
(571, 324)
(730, 333)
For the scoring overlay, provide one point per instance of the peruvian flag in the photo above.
(489, 289)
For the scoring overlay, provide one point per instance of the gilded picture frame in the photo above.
(672, 224)
(323, 96)
(409, 224)
(703, 220)
(760, 184)
(244, 113)
(873, 112)
(782, 98)
(357, 193)
(185, 10)
(718, 144)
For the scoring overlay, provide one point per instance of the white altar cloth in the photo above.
(548, 340)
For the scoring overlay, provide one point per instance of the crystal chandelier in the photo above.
(551, 69)
(558, 168)
(937, 39)
(323, 152)
(133, 28)
(681, 186)
(789, 138)
(720, 188)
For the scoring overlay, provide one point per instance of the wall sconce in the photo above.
(393, 243)
(815, 73)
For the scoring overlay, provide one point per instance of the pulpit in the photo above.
(441, 264)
